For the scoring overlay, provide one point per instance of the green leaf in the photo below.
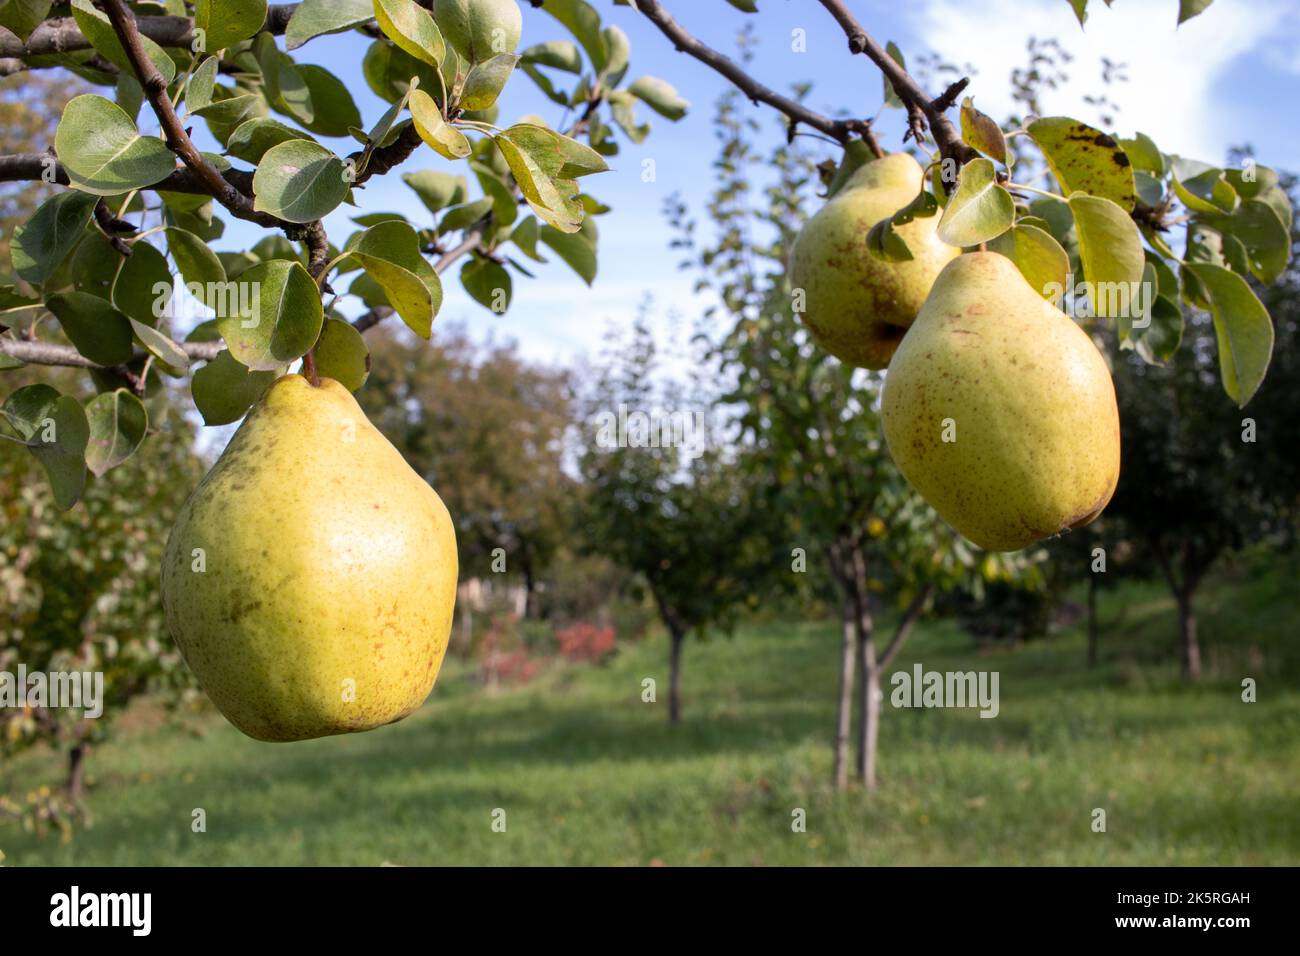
(286, 90)
(1038, 256)
(891, 96)
(1242, 326)
(1190, 8)
(118, 422)
(981, 132)
(198, 264)
(299, 181)
(443, 138)
(577, 249)
(412, 29)
(1202, 188)
(525, 236)
(979, 209)
(334, 111)
(886, 244)
(1080, 8)
(390, 254)
(504, 208)
(1144, 154)
(580, 19)
(252, 138)
(55, 429)
(21, 17)
(143, 284)
(557, 54)
(102, 150)
(660, 96)
(97, 330)
(1251, 181)
(224, 389)
(312, 18)
(1084, 159)
(436, 189)
(41, 243)
(281, 319)
(230, 111)
(1265, 241)
(458, 217)
(1110, 249)
(1158, 328)
(536, 156)
(226, 22)
(98, 29)
(161, 346)
(341, 354)
(198, 91)
(488, 283)
(486, 80)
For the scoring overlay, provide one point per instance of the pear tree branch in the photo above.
(839, 130)
(922, 111)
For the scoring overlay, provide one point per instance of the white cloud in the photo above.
(1173, 94)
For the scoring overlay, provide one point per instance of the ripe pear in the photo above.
(857, 306)
(310, 578)
(1000, 411)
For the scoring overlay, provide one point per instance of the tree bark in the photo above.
(675, 676)
(868, 718)
(74, 785)
(844, 706)
(1189, 644)
(1092, 620)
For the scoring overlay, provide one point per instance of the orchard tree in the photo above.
(664, 498)
(488, 429)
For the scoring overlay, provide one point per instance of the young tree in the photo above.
(665, 499)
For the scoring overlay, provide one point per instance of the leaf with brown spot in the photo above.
(1084, 159)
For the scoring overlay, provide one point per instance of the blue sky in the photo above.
(1230, 76)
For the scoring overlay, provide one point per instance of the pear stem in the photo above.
(309, 368)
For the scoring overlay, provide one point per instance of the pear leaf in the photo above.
(436, 189)
(1144, 154)
(443, 138)
(143, 285)
(1084, 159)
(98, 29)
(41, 243)
(1191, 8)
(118, 422)
(160, 346)
(1156, 331)
(252, 138)
(979, 210)
(99, 332)
(581, 20)
(21, 17)
(55, 429)
(225, 388)
(577, 249)
(891, 96)
(982, 132)
(1039, 257)
(390, 254)
(557, 54)
(312, 18)
(486, 80)
(341, 354)
(286, 89)
(660, 95)
(225, 22)
(412, 28)
(1202, 188)
(1265, 240)
(1110, 249)
(488, 283)
(102, 150)
(886, 244)
(1242, 326)
(299, 181)
(279, 322)
(198, 91)
(198, 264)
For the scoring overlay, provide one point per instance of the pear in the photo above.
(857, 306)
(310, 579)
(1000, 411)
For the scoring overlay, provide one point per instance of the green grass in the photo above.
(588, 774)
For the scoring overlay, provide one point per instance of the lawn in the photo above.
(586, 773)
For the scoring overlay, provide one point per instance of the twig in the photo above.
(113, 228)
(921, 109)
(839, 130)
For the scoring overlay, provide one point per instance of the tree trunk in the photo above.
(675, 676)
(530, 592)
(1189, 646)
(1092, 620)
(869, 678)
(844, 708)
(76, 772)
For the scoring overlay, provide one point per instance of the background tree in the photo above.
(680, 516)
(487, 429)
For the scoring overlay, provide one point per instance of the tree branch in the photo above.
(905, 625)
(839, 130)
(921, 109)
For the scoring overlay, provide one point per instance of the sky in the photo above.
(1230, 76)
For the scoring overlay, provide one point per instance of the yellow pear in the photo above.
(857, 306)
(310, 579)
(1000, 411)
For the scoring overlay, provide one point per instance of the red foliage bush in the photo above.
(586, 643)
